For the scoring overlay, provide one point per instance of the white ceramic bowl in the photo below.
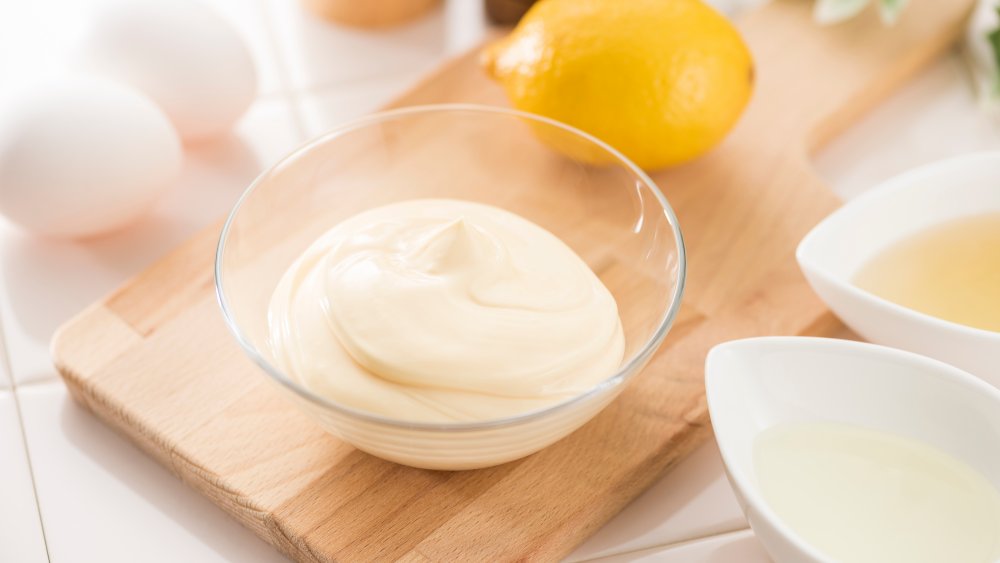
(756, 383)
(833, 252)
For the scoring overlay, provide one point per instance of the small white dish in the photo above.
(833, 252)
(757, 383)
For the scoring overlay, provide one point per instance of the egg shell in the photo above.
(181, 54)
(82, 156)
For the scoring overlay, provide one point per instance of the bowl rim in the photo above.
(623, 372)
(890, 189)
(742, 477)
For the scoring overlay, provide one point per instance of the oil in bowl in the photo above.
(915, 263)
(862, 495)
(950, 271)
(854, 452)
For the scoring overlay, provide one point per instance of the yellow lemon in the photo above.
(662, 81)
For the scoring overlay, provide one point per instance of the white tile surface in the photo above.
(933, 117)
(38, 38)
(735, 547)
(465, 24)
(335, 105)
(6, 380)
(694, 500)
(47, 282)
(249, 17)
(319, 53)
(20, 528)
(104, 500)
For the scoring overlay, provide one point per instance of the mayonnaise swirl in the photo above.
(442, 311)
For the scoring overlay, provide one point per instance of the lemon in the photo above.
(662, 81)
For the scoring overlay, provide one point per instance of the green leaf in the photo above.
(828, 12)
(993, 38)
(889, 10)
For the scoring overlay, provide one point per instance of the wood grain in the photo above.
(155, 361)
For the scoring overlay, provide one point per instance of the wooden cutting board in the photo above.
(155, 361)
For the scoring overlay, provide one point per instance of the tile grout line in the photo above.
(5, 365)
(31, 469)
(38, 382)
(663, 546)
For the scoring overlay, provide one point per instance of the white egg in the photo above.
(83, 156)
(182, 55)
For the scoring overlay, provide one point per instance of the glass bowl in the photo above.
(613, 216)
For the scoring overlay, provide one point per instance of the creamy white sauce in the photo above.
(442, 311)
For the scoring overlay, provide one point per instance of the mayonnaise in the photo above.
(443, 311)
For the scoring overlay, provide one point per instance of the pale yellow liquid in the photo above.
(860, 495)
(950, 271)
